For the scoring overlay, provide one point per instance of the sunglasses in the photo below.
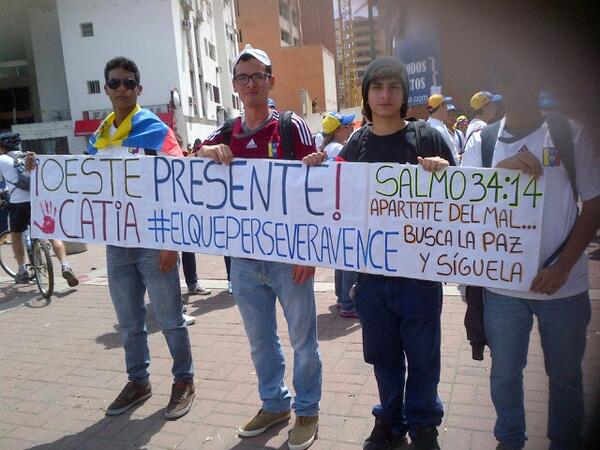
(114, 83)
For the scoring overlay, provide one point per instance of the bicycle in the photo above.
(39, 267)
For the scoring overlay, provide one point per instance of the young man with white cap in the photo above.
(257, 284)
(437, 106)
(485, 111)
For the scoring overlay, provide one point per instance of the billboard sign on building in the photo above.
(419, 49)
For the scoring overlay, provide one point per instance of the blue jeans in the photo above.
(400, 319)
(130, 272)
(562, 325)
(256, 284)
(344, 279)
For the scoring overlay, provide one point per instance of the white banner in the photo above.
(473, 226)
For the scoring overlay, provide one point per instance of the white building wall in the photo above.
(142, 30)
(329, 81)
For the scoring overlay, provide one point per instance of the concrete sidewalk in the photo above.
(61, 364)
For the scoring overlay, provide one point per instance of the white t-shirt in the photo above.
(474, 131)
(560, 208)
(333, 149)
(441, 127)
(116, 151)
(8, 173)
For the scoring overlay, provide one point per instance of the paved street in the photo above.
(61, 364)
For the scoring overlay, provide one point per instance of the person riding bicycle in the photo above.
(19, 210)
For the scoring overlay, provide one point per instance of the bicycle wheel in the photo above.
(8, 261)
(42, 265)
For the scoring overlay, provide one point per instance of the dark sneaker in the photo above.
(382, 438)
(69, 275)
(303, 434)
(426, 439)
(349, 314)
(132, 394)
(22, 277)
(261, 422)
(182, 396)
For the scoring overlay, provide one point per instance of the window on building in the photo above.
(93, 87)
(87, 29)
(212, 52)
(210, 92)
(206, 46)
(295, 20)
(217, 94)
(286, 37)
(240, 35)
(237, 8)
(283, 9)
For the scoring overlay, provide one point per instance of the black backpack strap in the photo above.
(562, 137)
(419, 128)
(356, 144)
(226, 130)
(286, 134)
(489, 136)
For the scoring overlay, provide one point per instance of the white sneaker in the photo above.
(229, 288)
(190, 320)
(198, 289)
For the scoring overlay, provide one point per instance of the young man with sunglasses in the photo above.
(130, 130)
(256, 284)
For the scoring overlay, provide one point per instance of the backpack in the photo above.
(357, 144)
(285, 132)
(562, 138)
(23, 176)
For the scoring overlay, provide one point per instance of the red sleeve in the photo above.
(214, 138)
(303, 141)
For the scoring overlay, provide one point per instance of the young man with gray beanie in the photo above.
(400, 317)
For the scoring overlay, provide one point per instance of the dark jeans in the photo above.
(228, 266)
(188, 260)
(400, 319)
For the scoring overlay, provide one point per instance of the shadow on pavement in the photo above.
(128, 432)
(261, 440)
(201, 305)
(204, 305)
(332, 325)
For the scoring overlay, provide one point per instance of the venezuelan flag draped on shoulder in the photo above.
(141, 128)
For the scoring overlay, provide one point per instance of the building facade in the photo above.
(298, 36)
(54, 68)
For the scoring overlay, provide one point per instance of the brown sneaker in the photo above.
(132, 394)
(304, 432)
(69, 275)
(262, 421)
(182, 396)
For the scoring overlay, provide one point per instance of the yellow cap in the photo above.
(333, 121)
(482, 98)
(436, 100)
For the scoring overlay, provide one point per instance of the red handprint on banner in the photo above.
(49, 223)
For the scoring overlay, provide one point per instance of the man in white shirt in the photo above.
(19, 207)
(438, 110)
(485, 111)
(558, 295)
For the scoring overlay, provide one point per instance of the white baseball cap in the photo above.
(255, 53)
